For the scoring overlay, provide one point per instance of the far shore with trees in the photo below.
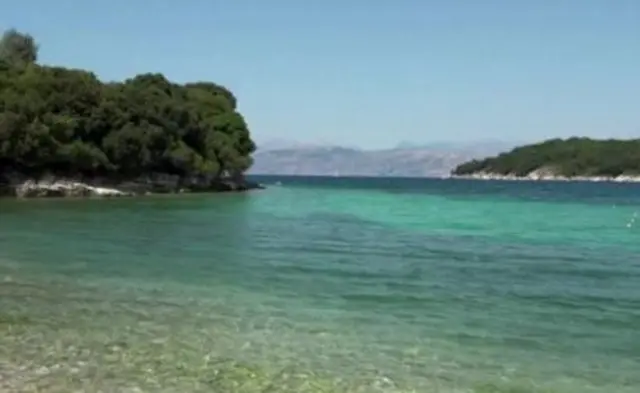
(561, 159)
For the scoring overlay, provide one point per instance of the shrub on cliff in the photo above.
(66, 121)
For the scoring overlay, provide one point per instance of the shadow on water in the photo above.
(165, 237)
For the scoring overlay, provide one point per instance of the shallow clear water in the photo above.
(315, 284)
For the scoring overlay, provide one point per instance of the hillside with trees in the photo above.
(65, 122)
(573, 157)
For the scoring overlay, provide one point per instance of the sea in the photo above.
(319, 284)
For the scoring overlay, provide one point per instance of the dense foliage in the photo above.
(570, 157)
(66, 121)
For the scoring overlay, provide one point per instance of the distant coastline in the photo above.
(537, 177)
(573, 159)
(475, 176)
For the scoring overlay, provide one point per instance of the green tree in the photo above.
(66, 121)
(17, 49)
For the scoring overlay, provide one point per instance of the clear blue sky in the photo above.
(371, 72)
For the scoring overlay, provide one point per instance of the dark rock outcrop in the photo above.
(22, 186)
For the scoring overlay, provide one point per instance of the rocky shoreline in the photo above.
(52, 186)
(536, 176)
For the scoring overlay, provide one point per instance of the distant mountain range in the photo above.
(432, 160)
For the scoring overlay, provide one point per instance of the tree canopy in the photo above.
(66, 121)
(563, 157)
(17, 49)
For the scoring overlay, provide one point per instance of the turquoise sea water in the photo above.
(326, 285)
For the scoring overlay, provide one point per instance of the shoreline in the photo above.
(64, 187)
(534, 177)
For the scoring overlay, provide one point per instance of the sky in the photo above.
(370, 73)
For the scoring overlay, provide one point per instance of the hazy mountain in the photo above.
(286, 144)
(436, 159)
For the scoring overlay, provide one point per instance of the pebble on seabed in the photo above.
(43, 371)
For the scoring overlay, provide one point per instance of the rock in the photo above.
(62, 188)
(155, 183)
(42, 371)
